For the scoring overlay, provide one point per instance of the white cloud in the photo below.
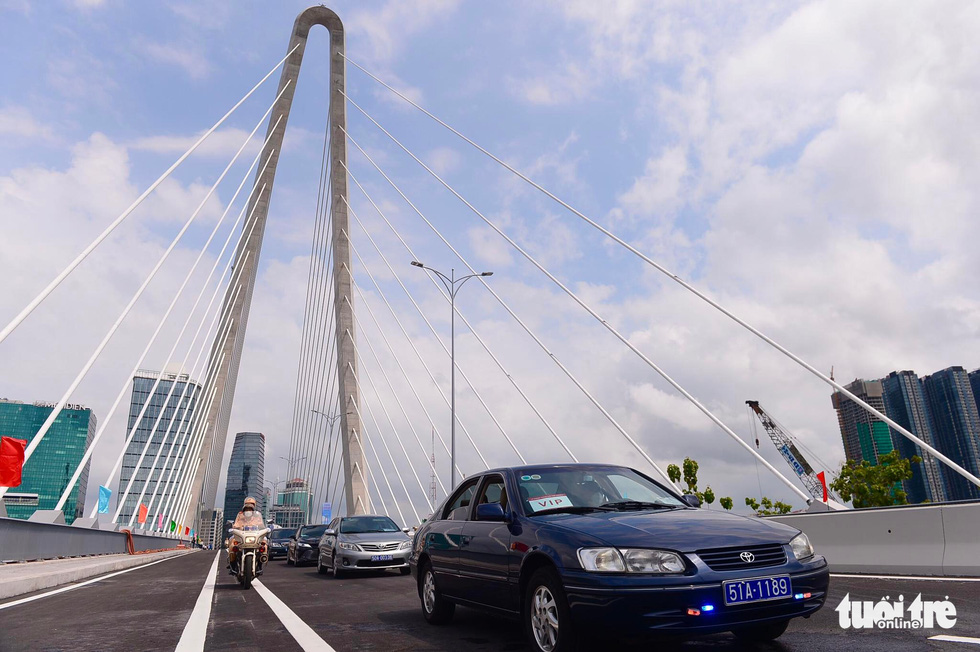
(443, 160)
(19, 122)
(188, 57)
(387, 29)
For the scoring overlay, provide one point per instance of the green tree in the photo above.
(768, 506)
(868, 485)
(726, 502)
(690, 475)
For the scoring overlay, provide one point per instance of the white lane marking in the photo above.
(196, 630)
(956, 639)
(907, 577)
(70, 587)
(308, 639)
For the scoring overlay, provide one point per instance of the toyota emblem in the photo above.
(747, 557)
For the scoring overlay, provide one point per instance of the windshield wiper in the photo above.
(637, 504)
(574, 509)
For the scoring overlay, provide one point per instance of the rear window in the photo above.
(281, 534)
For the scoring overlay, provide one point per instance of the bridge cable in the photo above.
(9, 328)
(476, 392)
(430, 374)
(523, 325)
(441, 290)
(384, 408)
(367, 475)
(380, 467)
(694, 290)
(663, 374)
(394, 432)
(156, 384)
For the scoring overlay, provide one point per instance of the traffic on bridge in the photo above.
(482, 365)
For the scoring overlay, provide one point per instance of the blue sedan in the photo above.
(580, 550)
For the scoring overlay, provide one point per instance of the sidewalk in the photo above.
(17, 579)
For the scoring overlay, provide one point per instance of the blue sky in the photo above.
(809, 164)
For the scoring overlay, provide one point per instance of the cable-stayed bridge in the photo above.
(369, 417)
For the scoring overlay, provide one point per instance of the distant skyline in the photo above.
(810, 164)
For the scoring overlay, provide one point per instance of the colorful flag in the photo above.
(143, 513)
(104, 494)
(187, 530)
(822, 477)
(173, 526)
(192, 534)
(11, 461)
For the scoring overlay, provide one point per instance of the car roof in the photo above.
(364, 516)
(542, 467)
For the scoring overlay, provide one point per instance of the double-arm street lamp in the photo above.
(330, 419)
(452, 285)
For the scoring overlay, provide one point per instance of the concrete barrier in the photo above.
(22, 540)
(941, 539)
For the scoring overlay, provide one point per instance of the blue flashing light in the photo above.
(708, 607)
(798, 596)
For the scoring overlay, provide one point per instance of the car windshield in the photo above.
(585, 489)
(366, 524)
(313, 531)
(281, 534)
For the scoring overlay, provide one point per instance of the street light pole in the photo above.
(452, 285)
(331, 419)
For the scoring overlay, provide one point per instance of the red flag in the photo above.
(143, 513)
(822, 477)
(187, 530)
(11, 461)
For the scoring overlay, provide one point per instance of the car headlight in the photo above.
(349, 546)
(249, 539)
(801, 546)
(639, 560)
(601, 560)
(631, 560)
(303, 545)
(406, 545)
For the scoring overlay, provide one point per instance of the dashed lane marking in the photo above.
(955, 639)
(308, 639)
(195, 632)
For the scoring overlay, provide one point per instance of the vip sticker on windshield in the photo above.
(535, 477)
(552, 501)
(525, 478)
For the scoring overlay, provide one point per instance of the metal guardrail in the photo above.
(22, 540)
(941, 539)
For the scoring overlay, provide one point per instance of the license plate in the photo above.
(381, 557)
(757, 589)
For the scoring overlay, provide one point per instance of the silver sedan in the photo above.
(363, 543)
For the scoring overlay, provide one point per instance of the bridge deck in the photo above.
(148, 608)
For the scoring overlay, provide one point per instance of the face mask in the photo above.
(248, 511)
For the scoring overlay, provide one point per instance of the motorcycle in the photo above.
(251, 553)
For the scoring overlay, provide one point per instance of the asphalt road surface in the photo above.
(296, 609)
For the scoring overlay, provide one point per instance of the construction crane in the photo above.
(786, 446)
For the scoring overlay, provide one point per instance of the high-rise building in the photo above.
(47, 472)
(956, 424)
(246, 472)
(865, 436)
(905, 402)
(292, 506)
(166, 422)
(211, 528)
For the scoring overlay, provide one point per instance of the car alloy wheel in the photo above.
(544, 618)
(436, 609)
(429, 592)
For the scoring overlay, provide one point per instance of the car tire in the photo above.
(338, 572)
(405, 571)
(761, 633)
(436, 608)
(320, 568)
(547, 618)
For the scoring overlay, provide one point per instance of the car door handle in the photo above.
(465, 540)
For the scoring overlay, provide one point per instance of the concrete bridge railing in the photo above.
(941, 539)
(22, 540)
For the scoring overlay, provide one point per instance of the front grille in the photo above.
(367, 563)
(378, 547)
(726, 559)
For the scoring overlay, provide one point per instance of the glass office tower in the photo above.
(166, 422)
(246, 473)
(55, 459)
(865, 436)
(956, 423)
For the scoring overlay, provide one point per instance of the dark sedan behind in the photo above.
(304, 546)
(279, 542)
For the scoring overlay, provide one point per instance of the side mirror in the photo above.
(691, 500)
(329, 532)
(490, 512)
(406, 530)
